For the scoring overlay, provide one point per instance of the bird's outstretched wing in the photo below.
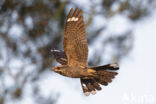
(59, 56)
(75, 41)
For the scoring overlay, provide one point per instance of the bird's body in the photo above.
(68, 71)
(74, 58)
(75, 72)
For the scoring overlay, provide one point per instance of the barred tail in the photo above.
(104, 75)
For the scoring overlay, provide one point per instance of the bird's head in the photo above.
(61, 69)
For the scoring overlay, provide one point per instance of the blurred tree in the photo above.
(29, 29)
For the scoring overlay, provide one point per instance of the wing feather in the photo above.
(75, 41)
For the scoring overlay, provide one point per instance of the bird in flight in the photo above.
(74, 58)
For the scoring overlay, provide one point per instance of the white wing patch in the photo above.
(115, 65)
(53, 50)
(74, 19)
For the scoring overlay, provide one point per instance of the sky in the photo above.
(134, 83)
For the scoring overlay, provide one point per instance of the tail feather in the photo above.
(101, 75)
(89, 86)
(103, 83)
(107, 67)
(106, 73)
(96, 85)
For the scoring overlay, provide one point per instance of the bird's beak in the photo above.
(55, 69)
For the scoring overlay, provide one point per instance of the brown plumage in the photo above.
(75, 41)
(75, 55)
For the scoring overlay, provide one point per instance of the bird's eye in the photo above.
(60, 72)
(58, 68)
